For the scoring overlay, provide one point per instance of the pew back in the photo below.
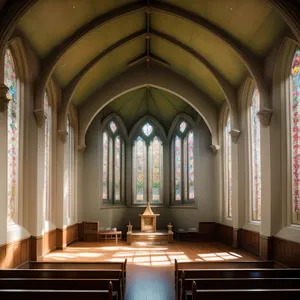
(186, 285)
(54, 294)
(244, 294)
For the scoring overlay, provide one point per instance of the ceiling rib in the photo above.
(10, 15)
(68, 91)
(228, 89)
(50, 62)
(251, 61)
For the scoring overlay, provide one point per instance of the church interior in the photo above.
(149, 149)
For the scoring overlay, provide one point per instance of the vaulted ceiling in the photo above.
(100, 38)
(158, 103)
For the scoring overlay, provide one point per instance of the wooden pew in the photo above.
(54, 294)
(62, 284)
(245, 294)
(81, 265)
(186, 285)
(217, 265)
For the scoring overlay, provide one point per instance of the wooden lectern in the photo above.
(148, 220)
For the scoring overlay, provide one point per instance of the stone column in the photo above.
(266, 203)
(3, 164)
(61, 218)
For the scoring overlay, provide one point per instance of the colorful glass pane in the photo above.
(140, 160)
(229, 166)
(117, 169)
(177, 167)
(147, 129)
(182, 126)
(105, 167)
(156, 172)
(295, 131)
(47, 112)
(113, 126)
(256, 169)
(10, 81)
(191, 165)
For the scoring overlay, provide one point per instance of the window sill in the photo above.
(291, 233)
(188, 206)
(252, 226)
(145, 205)
(112, 206)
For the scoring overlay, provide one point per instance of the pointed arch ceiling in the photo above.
(160, 104)
(69, 35)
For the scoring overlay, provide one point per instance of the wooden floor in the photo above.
(150, 268)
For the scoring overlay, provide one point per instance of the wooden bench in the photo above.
(81, 265)
(54, 294)
(186, 285)
(217, 265)
(63, 284)
(244, 294)
(110, 233)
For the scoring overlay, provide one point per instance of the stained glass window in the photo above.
(117, 183)
(10, 80)
(177, 168)
(228, 167)
(113, 126)
(46, 196)
(182, 126)
(140, 149)
(255, 152)
(105, 167)
(113, 164)
(155, 159)
(147, 129)
(183, 164)
(147, 166)
(191, 165)
(295, 131)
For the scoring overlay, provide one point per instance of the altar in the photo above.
(148, 232)
(148, 220)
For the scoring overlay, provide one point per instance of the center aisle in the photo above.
(150, 283)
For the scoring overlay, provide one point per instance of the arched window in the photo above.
(295, 136)
(228, 169)
(147, 166)
(13, 117)
(46, 196)
(113, 165)
(183, 164)
(255, 193)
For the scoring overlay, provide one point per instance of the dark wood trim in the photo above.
(236, 240)
(286, 252)
(224, 233)
(250, 241)
(15, 253)
(266, 247)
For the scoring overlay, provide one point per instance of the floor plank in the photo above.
(150, 271)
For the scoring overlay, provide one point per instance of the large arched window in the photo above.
(228, 169)
(255, 169)
(48, 123)
(13, 117)
(147, 166)
(183, 164)
(113, 164)
(295, 137)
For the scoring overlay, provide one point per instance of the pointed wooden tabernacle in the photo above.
(148, 220)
